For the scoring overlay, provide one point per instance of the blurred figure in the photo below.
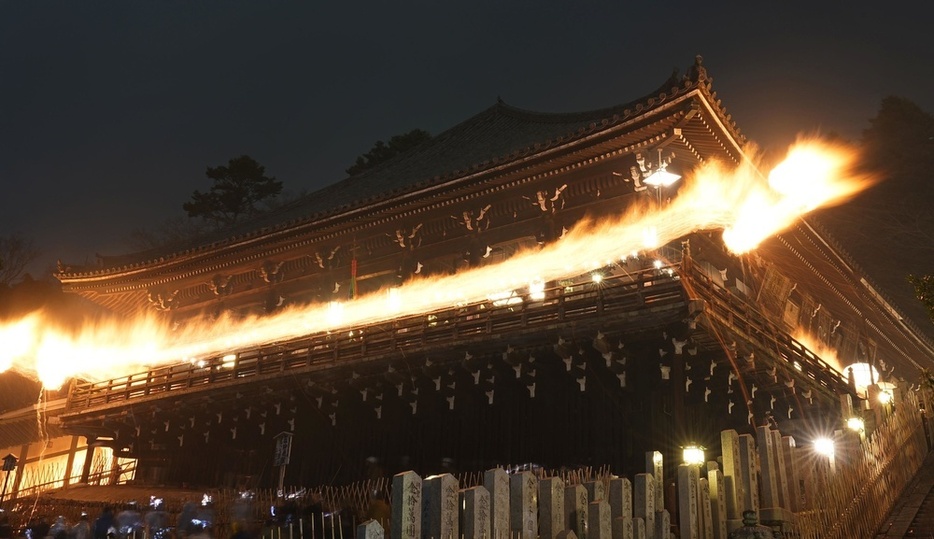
(82, 528)
(59, 529)
(204, 519)
(6, 530)
(104, 524)
(156, 520)
(129, 521)
(185, 525)
(241, 516)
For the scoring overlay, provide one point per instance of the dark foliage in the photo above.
(382, 152)
(237, 189)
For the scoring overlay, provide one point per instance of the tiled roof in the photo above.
(496, 136)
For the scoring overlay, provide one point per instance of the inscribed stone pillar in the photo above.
(523, 505)
(406, 506)
(662, 524)
(638, 528)
(655, 465)
(370, 529)
(496, 482)
(439, 507)
(620, 497)
(732, 472)
(704, 508)
(622, 527)
(749, 479)
(795, 484)
(595, 491)
(644, 502)
(781, 473)
(575, 510)
(717, 503)
(769, 480)
(687, 501)
(475, 521)
(550, 507)
(600, 523)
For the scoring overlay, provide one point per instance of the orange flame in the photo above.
(740, 201)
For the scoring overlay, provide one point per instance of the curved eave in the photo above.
(690, 117)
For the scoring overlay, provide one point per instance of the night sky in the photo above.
(110, 111)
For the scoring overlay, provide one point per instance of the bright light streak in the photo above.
(740, 201)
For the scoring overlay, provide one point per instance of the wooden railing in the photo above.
(725, 310)
(582, 302)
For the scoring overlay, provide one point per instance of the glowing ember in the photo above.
(829, 355)
(740, 201)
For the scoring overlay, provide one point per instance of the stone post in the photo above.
(406, 506)
(717, 503)
(496, 482)
(662, 524)
(476, 513)
(370, 529)
(749, 479)
(795, 490)
(655, 465)
(620, 497)
(523, 505)
(550, 507)
(439, 507)
(600, 524)
(622, 528)
(575, 510)
(732, 472)
(687, 501)
(704, 510)
(644, 502)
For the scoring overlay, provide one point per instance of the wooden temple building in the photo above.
(667, 348)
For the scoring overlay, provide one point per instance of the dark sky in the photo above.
(110, 111)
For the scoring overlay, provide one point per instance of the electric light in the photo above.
(856, 423)
(596, 278)
(824, 446)
(693, 455)
(885, 397)
(661, 178)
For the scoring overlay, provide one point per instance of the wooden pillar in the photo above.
(20, 469)
(88, 458)
(71, 461)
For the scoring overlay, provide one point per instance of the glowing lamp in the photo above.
(885, 397)
(693, 455)
(824, 446)
(597, 278)
(661, 178)
(856, 423)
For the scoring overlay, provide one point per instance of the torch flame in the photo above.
(740, 201)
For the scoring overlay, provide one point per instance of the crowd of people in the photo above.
(129, 523)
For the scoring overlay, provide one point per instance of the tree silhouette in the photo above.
(236, 190)
(889, 228)
(16, 253)
(382, 152)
